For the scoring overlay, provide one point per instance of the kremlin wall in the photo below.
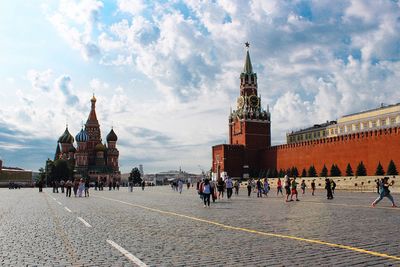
(372, 137)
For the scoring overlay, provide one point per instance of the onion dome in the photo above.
(72, 149)
(82, 136)
(100, 147)
(66, 137)
(112, 137)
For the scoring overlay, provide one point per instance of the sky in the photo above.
(166, 73)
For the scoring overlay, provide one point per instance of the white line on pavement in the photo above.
(127, 254)
(67, 209)
(84, 222)
(59, 203)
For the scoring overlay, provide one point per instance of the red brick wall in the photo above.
(370, 147)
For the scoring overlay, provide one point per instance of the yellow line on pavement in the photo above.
(314, 241)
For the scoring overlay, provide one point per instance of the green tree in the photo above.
(324, 171)
(294, 172)
(60, 170)
(268, 174)
(335, 171)
(134, 176)
(392, 170)
(349, 170)
(281, 173)
(379, 169)
(304, 173)
(338, 171)
(312, 172)
(361, 170)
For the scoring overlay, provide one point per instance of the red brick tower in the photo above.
(92, 127)
(249, 124)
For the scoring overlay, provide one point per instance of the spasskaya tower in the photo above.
(249, 130)
(249, 124)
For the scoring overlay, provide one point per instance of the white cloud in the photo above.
(133, 7)
(40, 79)
(63, 83)
(75, 22)
(315, 61)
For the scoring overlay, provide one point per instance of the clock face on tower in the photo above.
(254, 102)
(240, 102)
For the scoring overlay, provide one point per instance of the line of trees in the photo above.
(334, 171)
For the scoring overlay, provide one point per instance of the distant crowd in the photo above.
(210, 190)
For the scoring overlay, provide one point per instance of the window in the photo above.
(392, 121)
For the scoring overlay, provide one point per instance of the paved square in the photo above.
(160, 227)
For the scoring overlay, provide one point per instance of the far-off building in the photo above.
(91, 157)
(384, 117)
(14, 175)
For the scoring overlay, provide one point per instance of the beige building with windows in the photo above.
(369, 120)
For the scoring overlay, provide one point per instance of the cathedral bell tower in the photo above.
(92, 128)
(249, 124)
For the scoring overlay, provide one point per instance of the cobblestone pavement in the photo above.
(161, 227)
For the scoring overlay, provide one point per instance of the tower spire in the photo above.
(248, 68)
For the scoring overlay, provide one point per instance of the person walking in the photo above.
(236, 186)
(68, 186)
(333, 186)
(384, 192)
(287, 187)
(62, 184)
(87, 185)
(81, 187)
(259, 186)
(220, 188)
(117, 183)
(229, 187)
(249, 187)
(143, 185)
(76, 185)
(213, 191)
(180, 186)
(40, 185)
(303, 186)
(279, 187)
(266, 186)
(206, 193)
(294, 190)
(328, 188)
(313, 187)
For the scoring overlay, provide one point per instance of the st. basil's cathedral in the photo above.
(91, 158)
